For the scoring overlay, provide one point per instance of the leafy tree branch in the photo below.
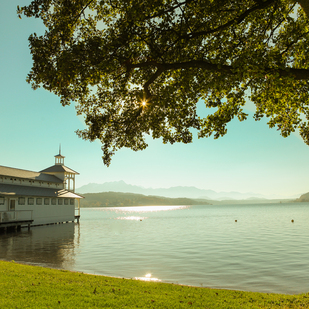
(138, 68)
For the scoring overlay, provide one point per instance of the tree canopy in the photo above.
(138, 67)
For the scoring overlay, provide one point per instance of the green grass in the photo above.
(24, 286)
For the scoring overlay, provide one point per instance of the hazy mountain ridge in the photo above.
(111, 199)
(303, 198)
(172, 192)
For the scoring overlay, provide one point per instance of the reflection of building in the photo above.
(37, 198)
(49, 246)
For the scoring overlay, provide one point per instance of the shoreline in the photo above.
(142, 279)
(28, 286)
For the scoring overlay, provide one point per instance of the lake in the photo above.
(194, 245)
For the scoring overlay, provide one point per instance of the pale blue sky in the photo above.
(250, 158)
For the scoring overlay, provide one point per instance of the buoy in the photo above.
(292, 220)
(235, 220)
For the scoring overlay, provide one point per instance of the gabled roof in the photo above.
(13, 190)
(58, 169)
(19, 173)
(60, 155)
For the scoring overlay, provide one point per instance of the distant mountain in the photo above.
(173, 192)
(111, 199)
(303, 198)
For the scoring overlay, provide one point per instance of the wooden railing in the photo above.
(17, 215)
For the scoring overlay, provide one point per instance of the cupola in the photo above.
(59, 159)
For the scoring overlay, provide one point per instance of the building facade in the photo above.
(38, 198)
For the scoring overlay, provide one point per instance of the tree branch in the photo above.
(150, 81)
(82, 11)
(164, 12)
(236, 20)
(184, 65)
(297, 74)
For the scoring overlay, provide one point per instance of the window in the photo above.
(66, 201)
(39, 201)
(12, 205)
(21, 201)
(53, 201)
(72, 201)
(60, 202)
(1, 200)
(30, 201)
(46, 201)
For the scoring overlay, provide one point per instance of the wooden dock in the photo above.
(15, 225)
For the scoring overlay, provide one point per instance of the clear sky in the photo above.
(250, 158)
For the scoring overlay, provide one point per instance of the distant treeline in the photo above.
(108, 199)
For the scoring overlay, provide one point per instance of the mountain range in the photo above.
(112, 199)
(172, 192)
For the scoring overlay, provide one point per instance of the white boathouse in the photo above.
(30, 198)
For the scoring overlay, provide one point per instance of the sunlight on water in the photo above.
(147, 278)
(131, 218)
(144, 208)
(240, 247)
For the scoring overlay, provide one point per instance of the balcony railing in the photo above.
(15, 216)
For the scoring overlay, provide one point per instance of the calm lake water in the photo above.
(193, 245)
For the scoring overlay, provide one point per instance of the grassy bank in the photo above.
(24, 286)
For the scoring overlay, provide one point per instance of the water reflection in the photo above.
(147, 278)
(51, 246)
(132, 218)
(144, 208)
(198, 245)
(140, 209)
